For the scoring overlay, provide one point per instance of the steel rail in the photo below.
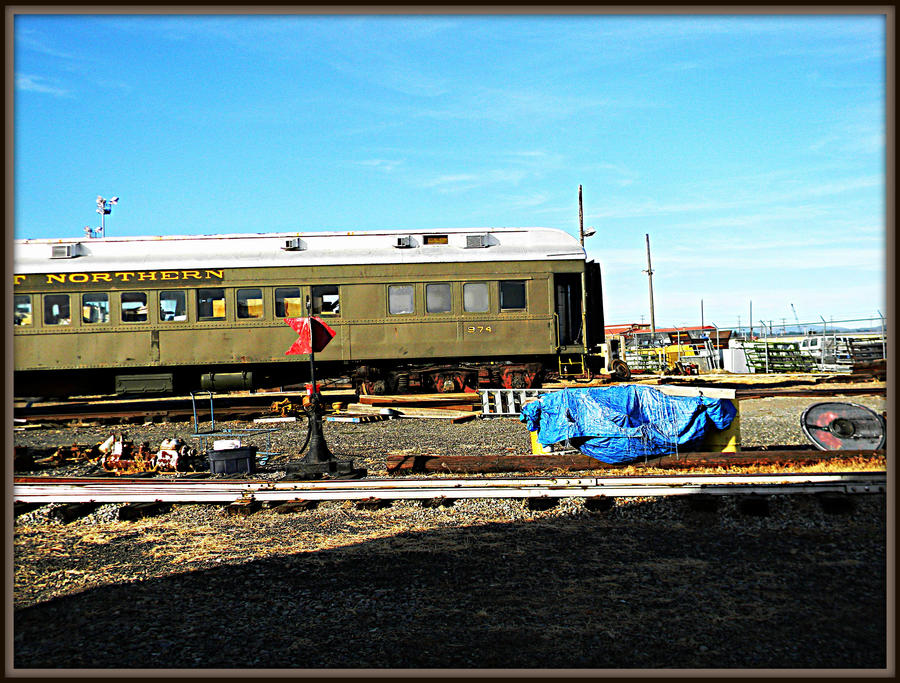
(227, 491)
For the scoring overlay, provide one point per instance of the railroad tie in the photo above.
(541, 503)
(243, 507)
(69, 512)
(131, 512)
(296, 505)
(439, 501)
(372, 503)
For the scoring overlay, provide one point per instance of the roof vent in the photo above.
(405, 242)
(476, 241)
(65, 250)
(294, 244)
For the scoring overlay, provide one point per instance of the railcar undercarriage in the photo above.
(368, 378)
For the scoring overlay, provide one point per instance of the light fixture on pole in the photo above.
(104, 207)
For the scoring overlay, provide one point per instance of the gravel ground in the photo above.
(650, 583)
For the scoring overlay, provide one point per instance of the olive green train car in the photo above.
(433, 309)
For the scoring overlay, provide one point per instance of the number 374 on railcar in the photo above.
(436, 311)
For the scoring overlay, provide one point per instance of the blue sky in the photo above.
(750, 148)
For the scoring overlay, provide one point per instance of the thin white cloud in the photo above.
(459, 182)
(386, 165)
(754, 196)
(38, 84)
(31, 40)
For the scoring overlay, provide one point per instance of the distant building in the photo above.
(639, 334)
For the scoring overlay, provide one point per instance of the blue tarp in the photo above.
(628, 422)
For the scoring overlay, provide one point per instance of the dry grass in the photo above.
(834, 465)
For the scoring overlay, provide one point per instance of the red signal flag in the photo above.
(314, 335)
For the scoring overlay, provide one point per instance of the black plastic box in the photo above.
(233, 460)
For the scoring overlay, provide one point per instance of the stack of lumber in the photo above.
(459, 407)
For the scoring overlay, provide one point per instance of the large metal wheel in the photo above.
(620, 370)
(834, 426)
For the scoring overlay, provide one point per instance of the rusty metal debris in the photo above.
(286, 408)
(120, 455)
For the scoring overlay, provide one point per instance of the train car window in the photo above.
(288, 303)
(95, 308)
(401, 299)
(512, 295)
(134, 307)
(23, 315)
(211, 304)
(249, 303)
(475, 297)
(437, 298)
(173, 306)
(326, 300)
(56, 310)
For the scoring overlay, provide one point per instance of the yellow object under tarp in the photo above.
(715, 441)
(537, 448)
(724, 440)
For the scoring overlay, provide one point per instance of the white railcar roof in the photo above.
(315, 249)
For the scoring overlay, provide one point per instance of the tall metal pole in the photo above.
(701, 316)
(824, 332)
(580, 218)
(584, 337)
(883, 346)
(649, 272)
(751, 319)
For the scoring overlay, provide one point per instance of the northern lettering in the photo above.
(126, 276)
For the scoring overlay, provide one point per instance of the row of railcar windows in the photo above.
(95, 307)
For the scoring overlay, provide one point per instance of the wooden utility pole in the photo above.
(649, 272)
(584, 335)
(580, 218)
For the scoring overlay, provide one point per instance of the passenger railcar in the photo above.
(438, 309)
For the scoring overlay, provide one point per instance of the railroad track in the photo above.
(43, 490)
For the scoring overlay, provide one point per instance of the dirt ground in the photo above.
(649, 584)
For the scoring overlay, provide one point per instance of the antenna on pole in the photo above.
(104, 208)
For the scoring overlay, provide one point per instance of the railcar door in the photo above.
(596, 330)
(567, 287)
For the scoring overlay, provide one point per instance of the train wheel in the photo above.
(620, 370)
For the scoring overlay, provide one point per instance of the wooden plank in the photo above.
(457, 397)
(412, 411)
(358, 419)
(708, 392)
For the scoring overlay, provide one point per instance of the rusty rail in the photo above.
(480, 464)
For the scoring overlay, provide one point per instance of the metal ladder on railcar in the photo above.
(571, 366)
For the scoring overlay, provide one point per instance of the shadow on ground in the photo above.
(555, 593)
